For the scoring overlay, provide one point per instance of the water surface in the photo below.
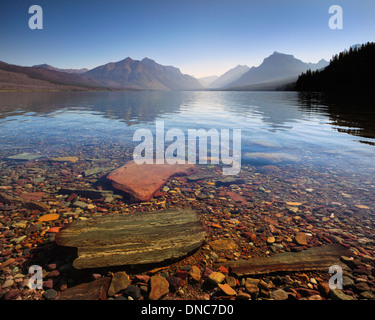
(312, 129)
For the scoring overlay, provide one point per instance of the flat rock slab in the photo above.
(32, 205)
(140, 238)
(316, 258)
(142, 181)
(95, 290)
(24, 157)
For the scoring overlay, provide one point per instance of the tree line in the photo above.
(352, 69)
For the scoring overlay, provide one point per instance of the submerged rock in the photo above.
(141, 238)
(95, 290)
(142, 181)
(159, 287)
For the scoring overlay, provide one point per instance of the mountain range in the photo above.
(276, 70)
(49, 67)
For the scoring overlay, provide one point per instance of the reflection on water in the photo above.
(356, 117)
(312, 128)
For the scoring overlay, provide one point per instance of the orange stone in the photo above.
(49, 217)
(54, 230)
(65, 159)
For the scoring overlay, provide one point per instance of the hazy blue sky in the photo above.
(201, 38)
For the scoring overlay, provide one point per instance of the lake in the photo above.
(306, 183)
(310, 130)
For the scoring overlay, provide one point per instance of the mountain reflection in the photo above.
(130, 107)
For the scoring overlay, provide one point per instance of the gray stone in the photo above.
(120, 281)
(132, 291)
(140, 238)
(24, 157)
(50, 294)
(315, 258)
(347, 281)
(279, 294)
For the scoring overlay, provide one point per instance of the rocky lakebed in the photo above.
(101, 227)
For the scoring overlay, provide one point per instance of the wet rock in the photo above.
(24, 157)
(175, 283)
(222, 244)
(65, 159)
(159, 287)
(312, 259)
(270, 240)
(251, 285)
(216, 277)
(92, 171)
(227, 289)
(50, 294)
(337, 294)
(12, 294)
(87, 193)
(49, 217)
(149, 237)
(228, 181)
(301, 239)
(195, 273)
(95, 290)
(362, 286)
(141, 182)
(7, 283)
(367, 295)
(279, 294)
(32, 196)
(120, 281)
(231, 281)
(133, 291)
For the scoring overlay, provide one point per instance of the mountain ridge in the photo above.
(229, 77)
(276, 67)
(142, 74)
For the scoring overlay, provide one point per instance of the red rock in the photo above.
(53, 230)
(206, 272)
(12, 294)
(53, 274)
(236, 197)
(32, 196)
(223, 270)
(304, 292)
(249, 235)
(95, 290)
(182, 274)
(142, 181)
(71, 197)
(142, 278)
(48, 284)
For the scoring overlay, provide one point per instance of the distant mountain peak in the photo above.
(144, 74)
(276, 67)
